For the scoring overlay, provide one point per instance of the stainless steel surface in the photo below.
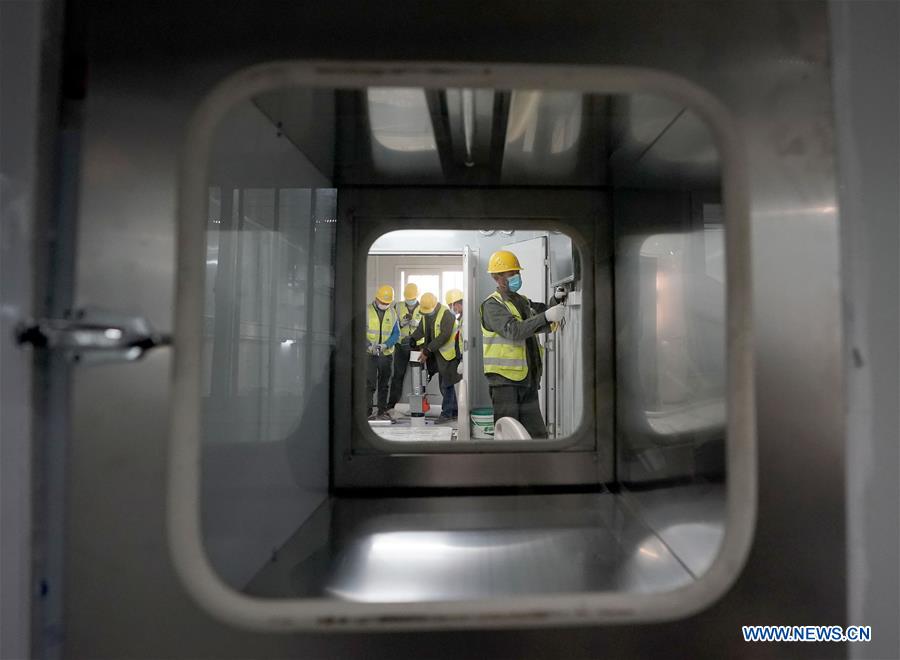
(866, 56)
(690, 520)
(267, 338)
(671, 333)
(20, 112)
(368, 213)
(768, 63)
(457, 548)
(93, 336)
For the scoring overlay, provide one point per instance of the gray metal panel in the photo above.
(20, 32)
(264, 456)
(867, 104)
(768, 62)
(670, 330)
(422, 549)
(367, 213)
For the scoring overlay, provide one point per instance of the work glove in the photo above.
(414, 323)
(459, 368)
(404, 321)
(555, 314)
(560, 293)
(370, 349)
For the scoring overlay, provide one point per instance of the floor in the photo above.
(418, 549)
(402, 430)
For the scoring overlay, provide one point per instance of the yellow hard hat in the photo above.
(428, 302)
(410, 291)
(502, 261)
(385, 294)
(454, 295)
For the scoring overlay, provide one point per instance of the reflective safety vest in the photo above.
(401, 310)
(448, 350)
(378, 334)
(502, 356)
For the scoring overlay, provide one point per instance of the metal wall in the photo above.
(262, 474)
(867, 105)
(20, 32)
(151, 64)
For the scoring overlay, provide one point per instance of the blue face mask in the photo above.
(514, 283)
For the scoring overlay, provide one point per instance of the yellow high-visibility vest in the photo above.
(401, 310)
(502, 356)
(448, 350)
(378, 333)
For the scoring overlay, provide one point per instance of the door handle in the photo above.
(93, 336)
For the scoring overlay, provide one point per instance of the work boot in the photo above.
(442, 420)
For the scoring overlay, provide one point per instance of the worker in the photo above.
(513, 356)
(382, 335)
(409, 316)
(454, 300)
(435, 337)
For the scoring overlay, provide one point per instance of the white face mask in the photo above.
(380, 305)
(411, 302)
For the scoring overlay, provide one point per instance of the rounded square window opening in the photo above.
(455, 340)
(670, 264)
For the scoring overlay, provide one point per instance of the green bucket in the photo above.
(483, 423)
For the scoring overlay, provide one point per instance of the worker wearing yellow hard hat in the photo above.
(454, 300)
(409, 316)
(436, 337)
(382, 335)
(512, 354)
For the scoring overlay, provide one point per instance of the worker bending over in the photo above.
(382, 335)
(436, 336)
(408, 315)
(513, 356)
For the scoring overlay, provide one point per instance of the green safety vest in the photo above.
(378, 334)
(502, 356)
(401, 310)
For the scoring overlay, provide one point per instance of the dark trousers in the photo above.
(401, 362)
(378, 374)
(520, 403)
(449, 405)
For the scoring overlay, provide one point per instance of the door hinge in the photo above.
(93, 336)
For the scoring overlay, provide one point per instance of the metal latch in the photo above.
(93, 336)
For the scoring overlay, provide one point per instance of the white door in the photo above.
(468, 340)
(532, 256)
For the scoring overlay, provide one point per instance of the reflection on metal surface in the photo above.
(399, 119)
(403, 139)
(452, 548)
(542, 131)
(470, 116)
(671, 329)
(690, 520)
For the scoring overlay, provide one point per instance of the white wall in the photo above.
(382, 269)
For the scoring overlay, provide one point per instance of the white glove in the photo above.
(560, 293)
(404, 322)
(555, 314)
(414, 323)
(370, 349)
(459, 368)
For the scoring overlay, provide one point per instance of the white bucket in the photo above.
(483, 423)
